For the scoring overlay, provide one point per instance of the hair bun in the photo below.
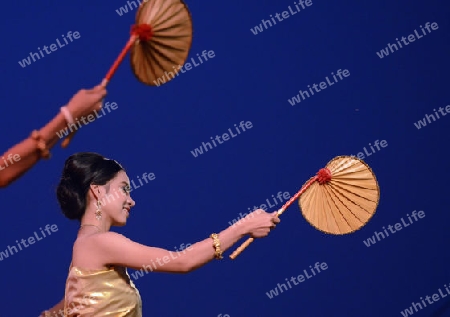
(68, 194)
(80, 171)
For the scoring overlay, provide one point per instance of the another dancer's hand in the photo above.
(86, 101)
(259, 223)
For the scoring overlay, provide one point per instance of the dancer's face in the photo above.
(117, 202)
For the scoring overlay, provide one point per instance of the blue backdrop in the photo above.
(256, 71)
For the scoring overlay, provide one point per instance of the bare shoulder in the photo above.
(91, 252)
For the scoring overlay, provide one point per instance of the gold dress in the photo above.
(97, 293)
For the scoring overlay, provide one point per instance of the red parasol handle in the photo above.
(119, 60)
(142, 32)
(323, 176)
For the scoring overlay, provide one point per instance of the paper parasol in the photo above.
(340, 199)
(159, 42)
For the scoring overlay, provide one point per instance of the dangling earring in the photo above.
(98, 212)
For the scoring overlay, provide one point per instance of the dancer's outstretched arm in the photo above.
(114, 248)
(24, 155)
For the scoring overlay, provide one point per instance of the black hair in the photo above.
(80, 171)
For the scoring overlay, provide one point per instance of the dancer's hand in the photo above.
(259, 223)
(86, 101)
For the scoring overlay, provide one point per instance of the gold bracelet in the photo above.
(41, 145)
(216, 244)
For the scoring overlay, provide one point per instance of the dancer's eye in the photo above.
(126, 189)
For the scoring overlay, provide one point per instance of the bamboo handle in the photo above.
(241, 248)
(280, 211)
(248, 241)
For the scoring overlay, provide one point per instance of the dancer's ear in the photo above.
(96, 191)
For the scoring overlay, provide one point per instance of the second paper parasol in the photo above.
(160, 39)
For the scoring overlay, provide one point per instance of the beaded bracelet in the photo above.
(216, 244)
(66, 113)
(41, 145)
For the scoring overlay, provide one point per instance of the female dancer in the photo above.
(23, 156)
(96, 191)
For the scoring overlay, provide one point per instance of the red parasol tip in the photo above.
(323, 175)
(143, 31)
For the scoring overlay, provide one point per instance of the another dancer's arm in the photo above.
(24, 155)
(113, 248)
